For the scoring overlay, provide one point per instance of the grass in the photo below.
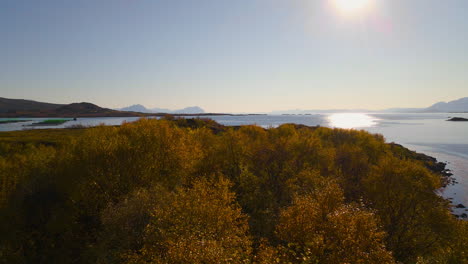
(8, 121)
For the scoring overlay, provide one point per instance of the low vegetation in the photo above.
(194, 191)
(51, 122)
(34, 138)
(9, 121)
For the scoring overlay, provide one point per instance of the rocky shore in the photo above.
(435, 166)
(458, 119)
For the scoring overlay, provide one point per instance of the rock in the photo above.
(463, 215)
(460, 206)
(457, 119)
(447, 173)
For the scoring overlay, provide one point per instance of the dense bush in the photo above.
(193, 191)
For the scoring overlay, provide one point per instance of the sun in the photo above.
(352, 7)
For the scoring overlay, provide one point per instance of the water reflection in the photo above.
(351, 120)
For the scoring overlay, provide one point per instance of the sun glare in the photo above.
(352, 120)
(352, 7)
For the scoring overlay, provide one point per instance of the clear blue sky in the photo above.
(234, 56)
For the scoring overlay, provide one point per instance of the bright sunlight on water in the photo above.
(351, 120)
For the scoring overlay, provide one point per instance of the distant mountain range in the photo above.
(142, 109)
(10, 108)
(459, 105)
(455, 106)
(29, 108)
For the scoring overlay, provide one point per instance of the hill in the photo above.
(28, 108)
(21, 105)
(12, 108)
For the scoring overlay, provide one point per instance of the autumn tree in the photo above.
(320, 228)
(416, 219)
(200, 224)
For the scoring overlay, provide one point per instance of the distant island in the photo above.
(142, 109)
(457, 119)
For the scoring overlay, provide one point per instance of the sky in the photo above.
(234, 56)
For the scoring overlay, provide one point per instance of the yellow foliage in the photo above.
(201, 224)
(320, 228)
(151, 192)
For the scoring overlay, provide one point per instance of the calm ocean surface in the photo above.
(426, 133)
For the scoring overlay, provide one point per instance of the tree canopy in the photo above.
(193, 191)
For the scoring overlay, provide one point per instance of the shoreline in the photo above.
(102, 115)
(454, 190)
(447, 174)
